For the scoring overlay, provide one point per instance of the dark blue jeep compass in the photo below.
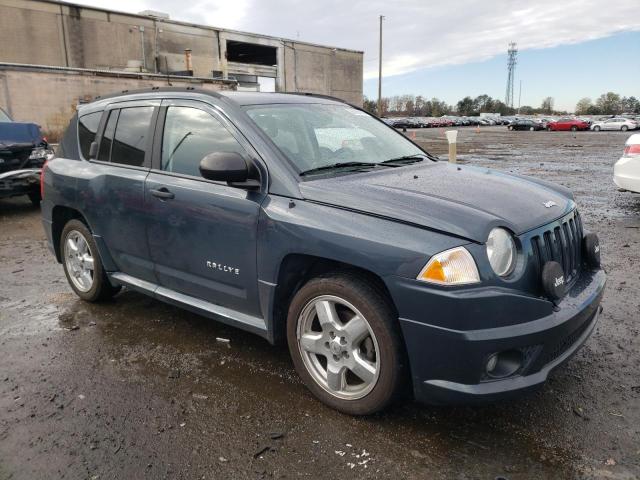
(303, 218)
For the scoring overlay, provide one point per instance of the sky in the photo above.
(568, 49)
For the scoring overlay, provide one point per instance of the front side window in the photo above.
(130, 141)
(318, 135)
(189, 135)
(87, 128)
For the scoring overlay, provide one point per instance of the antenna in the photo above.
(512, 59)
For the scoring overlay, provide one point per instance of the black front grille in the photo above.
(561, 242)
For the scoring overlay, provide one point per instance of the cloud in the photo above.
(417, 33)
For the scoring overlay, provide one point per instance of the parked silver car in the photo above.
(618, 123)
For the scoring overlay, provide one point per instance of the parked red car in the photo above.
(572, 124)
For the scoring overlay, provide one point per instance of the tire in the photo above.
(93, 287)
(531, 129)
(624, 128)
(549, 129)
(377, 344)
(35, 198)
(596, 128)
(510, 127)
(574, 128)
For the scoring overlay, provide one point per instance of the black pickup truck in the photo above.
(304, 219)
(23, 151)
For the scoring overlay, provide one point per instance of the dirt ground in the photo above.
(136, 389)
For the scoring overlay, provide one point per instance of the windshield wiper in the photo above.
(334, 166)
(407, 159)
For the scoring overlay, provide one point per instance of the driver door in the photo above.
(201, 234)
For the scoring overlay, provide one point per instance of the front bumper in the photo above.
(19, 182)
(448, 365)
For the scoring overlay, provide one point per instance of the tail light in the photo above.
(632, 150)
(44, 167)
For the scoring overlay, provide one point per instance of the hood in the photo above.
(19, 135)
(459, 200)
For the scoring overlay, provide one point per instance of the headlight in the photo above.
(501, 251)
(40, 152)
(451, 267)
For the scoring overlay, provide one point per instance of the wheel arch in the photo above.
(60, 216)
(297, 269)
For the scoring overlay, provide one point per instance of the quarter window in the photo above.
(189, 135)
(87, 128)
(130, 140)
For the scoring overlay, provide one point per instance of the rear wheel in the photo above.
(345, 343)
(548, 129)
(624, 128)
(82, 264)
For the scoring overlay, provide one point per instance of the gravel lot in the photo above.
(134, 388)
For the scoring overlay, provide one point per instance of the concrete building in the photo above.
(93, 44)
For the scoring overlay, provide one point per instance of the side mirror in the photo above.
(93, 150)
(227, 167)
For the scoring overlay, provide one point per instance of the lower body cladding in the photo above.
(481, 365)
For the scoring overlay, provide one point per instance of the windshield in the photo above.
(4, 117)
(314, 136)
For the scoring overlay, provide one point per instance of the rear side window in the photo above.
(87, 128)
(130, 141)
(107, 137)
(189, 135)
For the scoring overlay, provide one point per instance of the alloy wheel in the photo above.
(79, 261)
(338, 347)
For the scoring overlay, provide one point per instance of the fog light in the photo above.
(504, 364)
(491, 363)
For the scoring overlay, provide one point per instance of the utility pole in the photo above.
(380, 71)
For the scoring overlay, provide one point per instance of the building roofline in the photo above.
(196, 25)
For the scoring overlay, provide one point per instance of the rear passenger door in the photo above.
(201, 234)
(114, 197)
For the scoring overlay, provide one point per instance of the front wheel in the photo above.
(345, 343)
(510, 127)
(574, 128)
(548, 129)
(531, 129)
(82, 265)
(624, 128)
(597, 128)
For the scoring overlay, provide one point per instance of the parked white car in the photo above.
(626, 171)
(622, 124)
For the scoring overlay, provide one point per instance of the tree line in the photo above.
(419, 106)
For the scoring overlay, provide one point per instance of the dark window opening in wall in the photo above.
(242, 52)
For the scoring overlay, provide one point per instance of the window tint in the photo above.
(107, 136)
(189, 135)
(87, 128)
(130, 140)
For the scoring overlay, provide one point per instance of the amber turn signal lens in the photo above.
(451, 267)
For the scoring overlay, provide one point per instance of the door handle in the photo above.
(162, 193)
